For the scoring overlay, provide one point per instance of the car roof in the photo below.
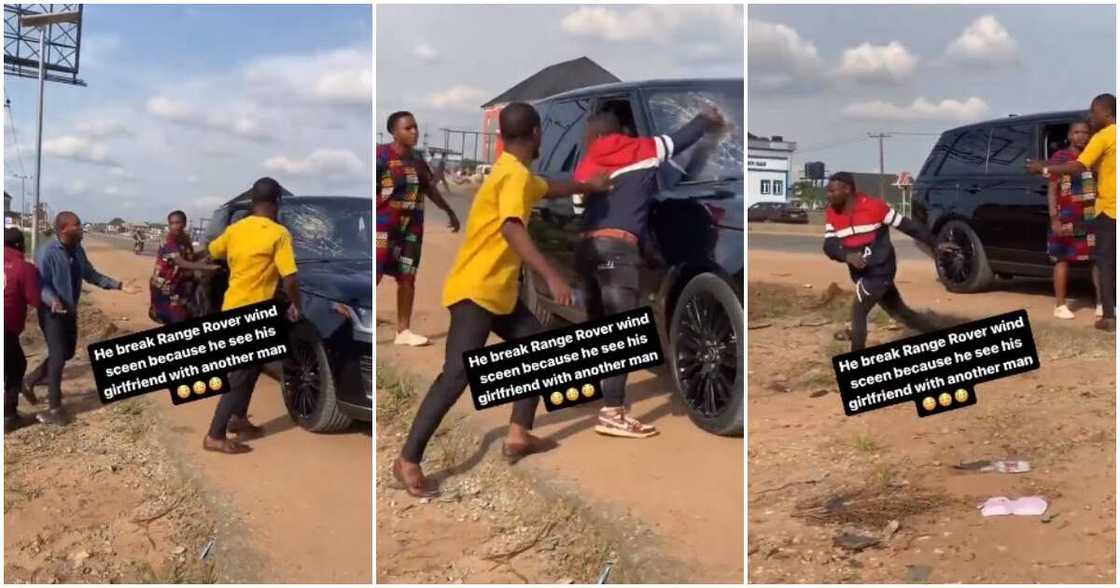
(1040, 116)
(623, 86)
(301, 199)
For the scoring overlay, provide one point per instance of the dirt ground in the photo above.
(888, 475)
(671, 505)
(296, 509)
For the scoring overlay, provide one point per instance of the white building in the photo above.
(768, 168)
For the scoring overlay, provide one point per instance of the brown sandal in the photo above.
(420, 488)
(227, 446)
(244, 429)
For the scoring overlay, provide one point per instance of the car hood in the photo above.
(727, 195)
(343, 281)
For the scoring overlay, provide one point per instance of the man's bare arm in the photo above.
(291, 289)
(561, 188)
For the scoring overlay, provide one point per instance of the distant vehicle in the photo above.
(777, 212)
(327, 380)
(481, 171)
(692, 274)
(974, 191)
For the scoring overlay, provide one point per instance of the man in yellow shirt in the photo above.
(481, 290)
(1100, 157)
(259, 253)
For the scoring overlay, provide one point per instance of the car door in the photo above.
(962, 173)
(1017, 200)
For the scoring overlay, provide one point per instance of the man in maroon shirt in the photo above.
(21, 289)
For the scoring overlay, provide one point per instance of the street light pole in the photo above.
(39, 141)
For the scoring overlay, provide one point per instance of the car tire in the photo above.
(532, 299)
(308, 384)
(966, 271)
(707, 368)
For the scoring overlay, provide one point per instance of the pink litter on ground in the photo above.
(1002, 505)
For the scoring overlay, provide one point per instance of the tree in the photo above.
(117, 221)
(808, 192)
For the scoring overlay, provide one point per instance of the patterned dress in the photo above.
(402, 182)
(1076, 196)
(172, 286)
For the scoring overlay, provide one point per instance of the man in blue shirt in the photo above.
(63, 266)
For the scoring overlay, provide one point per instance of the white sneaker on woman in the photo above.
(407, 337)
(1063, 312)
(1100, 311)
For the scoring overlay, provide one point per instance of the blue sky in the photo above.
(187, 104)
(825, 76)
(443, 62)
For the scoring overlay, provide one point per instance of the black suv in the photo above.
(327, 379)
(693, 270)
(974, 191)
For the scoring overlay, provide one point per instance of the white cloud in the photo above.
(890, 62)
(122, 174)
(96, 49)
(235, 119)
(192, 180)
(986, 43)
(321, 162)
(103, 128)
(343, 77)
(112, 190)
(663, 25)
(76, 148)
(780, 60)
(921, 109)
(425, 53)
(170, 109)
(460, 97)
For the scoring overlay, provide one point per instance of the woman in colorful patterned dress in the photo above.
(1070, 200)
(173, 280)
(403, 180)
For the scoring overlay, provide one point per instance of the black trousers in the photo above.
(61, 333)
(470, 326)
(1105, 229)
(235, 401)
(882, 291)
(610, 271)
(15, 364)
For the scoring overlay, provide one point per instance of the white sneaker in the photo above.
(1063, 312)
(407, 337)
(1100, 311)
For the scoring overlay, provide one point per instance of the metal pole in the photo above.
(39, 143)
(882, 190)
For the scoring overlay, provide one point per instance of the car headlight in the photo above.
(362, 318)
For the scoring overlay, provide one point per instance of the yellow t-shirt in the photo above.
(259, 252)
(486, 268)
(1100, 156)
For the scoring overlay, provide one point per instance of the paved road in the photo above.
(904, 247)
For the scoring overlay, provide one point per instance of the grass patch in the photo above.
(130, 407)
(395, 393)
(865, 444)
(872, 505)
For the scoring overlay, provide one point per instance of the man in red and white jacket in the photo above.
(858, 233)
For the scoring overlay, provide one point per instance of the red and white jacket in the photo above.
(864, 228)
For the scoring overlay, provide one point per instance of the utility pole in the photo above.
(882, 178)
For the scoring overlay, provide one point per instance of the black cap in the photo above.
(266, 190)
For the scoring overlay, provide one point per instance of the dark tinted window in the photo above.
(561, 135)
(965, 153)
(933, 162)
(1010, 146)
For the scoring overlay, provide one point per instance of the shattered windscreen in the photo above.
(331, 229)
(716, 157)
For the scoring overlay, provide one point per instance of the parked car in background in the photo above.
(777, 212)
(692, 275)
(327, 378)
(973, 190)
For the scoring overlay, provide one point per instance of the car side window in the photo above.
(561, 135)
(966, 154)
(1010, 146)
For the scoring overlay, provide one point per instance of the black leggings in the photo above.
(235, 401)
(470, 326)
(15, 363)
(872, 291)
(610, 270)
(61, 333)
